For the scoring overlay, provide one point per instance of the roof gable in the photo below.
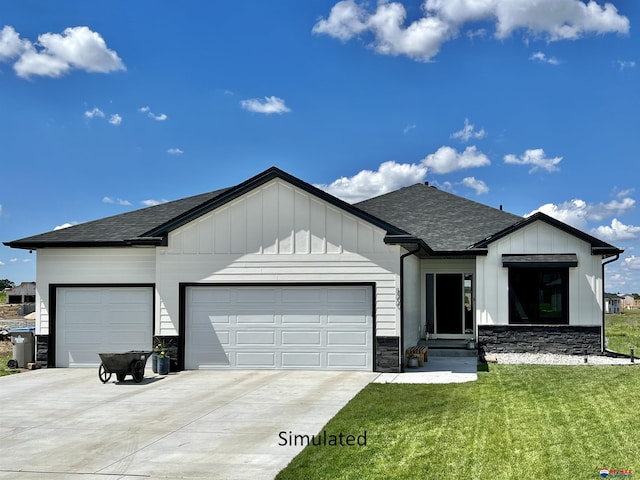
(598, 247)
(150, 226)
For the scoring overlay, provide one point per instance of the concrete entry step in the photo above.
(449, 348)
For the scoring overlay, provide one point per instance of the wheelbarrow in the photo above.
(123, 364)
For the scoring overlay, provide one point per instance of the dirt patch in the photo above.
(6, 348)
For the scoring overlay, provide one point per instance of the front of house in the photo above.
(276, 274)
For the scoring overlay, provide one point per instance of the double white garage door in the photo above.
(266, 327)
(314, 327)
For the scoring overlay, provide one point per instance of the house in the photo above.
(274, 273)
(629, 302)
(23, 293)
(612, 303)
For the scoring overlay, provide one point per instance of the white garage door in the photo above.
(292, 327)
(102, 319)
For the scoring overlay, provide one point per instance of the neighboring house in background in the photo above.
(275, 273)
(612, 303)
(630, 302)
(23, 293)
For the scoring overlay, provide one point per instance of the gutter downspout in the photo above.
(603, 348)
(401, 343)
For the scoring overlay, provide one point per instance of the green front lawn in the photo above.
(623, 331)
(515, 422)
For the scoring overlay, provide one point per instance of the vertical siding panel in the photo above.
(317, 225)
(301, 223)
(238, 224)
(205, 235)
(334, 230)
(254, 223)
(285, 219)
(221, 231)
(349, 234)
(365, 238)
(270, 219)
(190, 239)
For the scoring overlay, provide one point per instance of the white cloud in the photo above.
(468, 132)
(442, 20)
(626, 64)
(175, 151)
(65, 225)
(408, 128)
(54, 55)
(542, 58)
(578, 213)
(160, 117)
(115, 119)
(152, 203)
(478, 185)
(11, 45)
(267, 106)
(94, 113)
(0, 209)
(448, 159)
(365, 184)
(117, 201)
(632, 262)
(535, 157)
(617, 232)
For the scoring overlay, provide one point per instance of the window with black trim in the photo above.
(539, 295)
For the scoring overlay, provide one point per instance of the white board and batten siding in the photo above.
(585, 280)
(278, 234)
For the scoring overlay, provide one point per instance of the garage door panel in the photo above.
(92, 320)
(346, 359)
(252, 337)
(347, 338)
(301, 360)
(315, 327)
(255, 318)
(359, 318)
(298, 338)
(302, 318)
(256, 359)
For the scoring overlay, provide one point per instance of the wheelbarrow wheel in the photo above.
(103, 374)
(137, 370)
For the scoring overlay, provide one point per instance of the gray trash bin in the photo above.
(23, 345)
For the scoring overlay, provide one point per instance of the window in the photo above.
(539, 295)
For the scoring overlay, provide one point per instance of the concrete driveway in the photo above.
(64, 424)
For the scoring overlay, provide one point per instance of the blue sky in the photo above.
(107, 107)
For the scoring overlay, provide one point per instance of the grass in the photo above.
(515, 422)
(623, 331)
(3, 366)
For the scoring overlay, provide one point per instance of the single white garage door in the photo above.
(102, 319)
(279, 327)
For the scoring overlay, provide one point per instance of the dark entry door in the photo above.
(449, 295)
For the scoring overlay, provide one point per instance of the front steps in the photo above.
(449, 348)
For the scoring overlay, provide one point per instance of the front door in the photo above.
(450, 305)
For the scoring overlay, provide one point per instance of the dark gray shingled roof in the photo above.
(117, 230)
(439, 222)
(442, 220)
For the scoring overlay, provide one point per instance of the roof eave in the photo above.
(134, 242)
